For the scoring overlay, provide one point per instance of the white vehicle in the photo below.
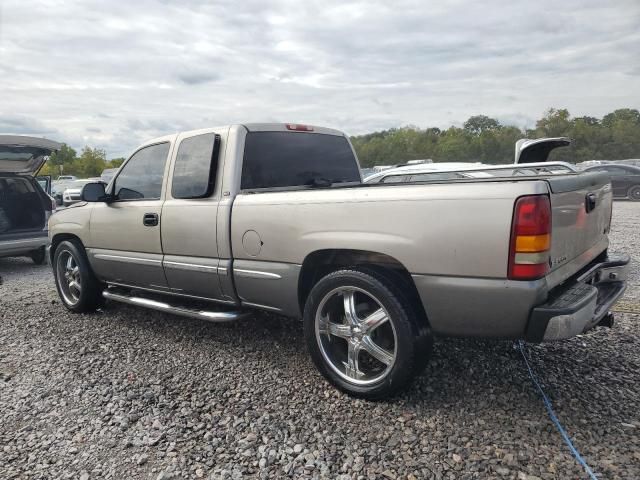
(527, 151)
(72, 192)
(424, 172)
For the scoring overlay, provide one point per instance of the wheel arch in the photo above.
(57, 239)
(322, 262)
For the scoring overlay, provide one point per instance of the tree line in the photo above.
(615, 136)
(90, 163)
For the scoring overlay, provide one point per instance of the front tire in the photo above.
(634, 193)
(78, 288)
(363, 334)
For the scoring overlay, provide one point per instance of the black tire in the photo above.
(412, 341)
(38, 256)
(89, 297)
(634, 193)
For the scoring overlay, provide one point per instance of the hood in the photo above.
(25, 155)
(538, 150)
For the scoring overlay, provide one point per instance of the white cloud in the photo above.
(110, 74)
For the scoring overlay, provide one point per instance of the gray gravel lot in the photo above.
(128, 393)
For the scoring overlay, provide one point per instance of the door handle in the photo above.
(590, 202)
(150, 220)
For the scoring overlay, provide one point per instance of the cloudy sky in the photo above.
(111, 74)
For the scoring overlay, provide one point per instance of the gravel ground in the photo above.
(128, 393)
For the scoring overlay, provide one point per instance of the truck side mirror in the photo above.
(94, 192)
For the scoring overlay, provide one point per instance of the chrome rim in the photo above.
(69, 279)
(356, 335)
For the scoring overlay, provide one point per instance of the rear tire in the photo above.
(78, 288)
(363, 334)
(38, 256)
(634, 193)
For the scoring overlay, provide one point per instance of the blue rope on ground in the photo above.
(554, 418)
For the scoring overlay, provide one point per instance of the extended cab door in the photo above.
(189, 231)
(125, 233)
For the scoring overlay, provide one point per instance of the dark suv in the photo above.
(25, 207)
(625, 179)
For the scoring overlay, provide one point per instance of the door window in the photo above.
(141, 177)
(194, 173)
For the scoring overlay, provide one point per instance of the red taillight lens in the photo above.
(299, 128)
(530, 238)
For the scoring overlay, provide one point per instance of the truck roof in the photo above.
(251, 127)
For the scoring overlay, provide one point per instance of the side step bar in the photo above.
(210, 316)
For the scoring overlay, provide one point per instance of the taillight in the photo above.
(299, 128)
(530, 238)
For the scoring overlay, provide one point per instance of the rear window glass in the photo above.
(288, 159)
(20, 153)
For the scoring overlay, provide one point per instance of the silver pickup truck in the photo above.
(216, 222)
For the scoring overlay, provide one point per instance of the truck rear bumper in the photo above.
(575, 308)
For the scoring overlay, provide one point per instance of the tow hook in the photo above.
(607, 320)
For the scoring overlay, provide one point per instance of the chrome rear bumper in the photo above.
(575, 308)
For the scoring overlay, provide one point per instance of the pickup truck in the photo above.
(216, 222)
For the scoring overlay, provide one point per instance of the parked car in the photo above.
(72, 191)
(57, 189)
(625, 179)
(66, 178)
(25, 207)
(276, 217)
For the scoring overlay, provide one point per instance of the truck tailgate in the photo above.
(581, 217)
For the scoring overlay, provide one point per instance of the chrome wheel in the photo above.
(69, 279)
(356, 335)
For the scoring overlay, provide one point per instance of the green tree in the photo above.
(555, 123)
(479, 124)
(115, 162)
(91, 162)
(630, 115)
(62, 158)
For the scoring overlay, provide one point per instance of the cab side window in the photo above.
(194, 173)
(141, 177)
